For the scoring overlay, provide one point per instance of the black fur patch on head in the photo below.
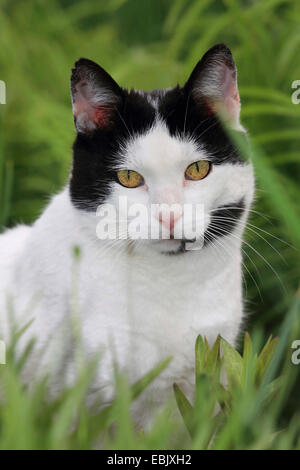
(187, 118)
(96, 154)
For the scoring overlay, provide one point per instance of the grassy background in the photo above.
(152, 44)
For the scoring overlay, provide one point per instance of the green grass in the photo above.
(151, 44)
(248, 414)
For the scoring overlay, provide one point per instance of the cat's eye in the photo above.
(130, 178)
(197, 170)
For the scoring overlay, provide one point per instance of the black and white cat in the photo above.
(138, 301)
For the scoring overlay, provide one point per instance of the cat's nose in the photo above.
(168, 220)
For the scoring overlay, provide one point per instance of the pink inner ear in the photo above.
(209, 106)
(231, 100)
(102, 116)
(90, 116)
(89, 112)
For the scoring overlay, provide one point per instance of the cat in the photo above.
(138, 301)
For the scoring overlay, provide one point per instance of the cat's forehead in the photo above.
(161, 145)
(157, 150)
(172, 125)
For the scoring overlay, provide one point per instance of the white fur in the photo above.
(136, 305)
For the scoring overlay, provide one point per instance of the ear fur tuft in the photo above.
(94, 96)
(213, 82)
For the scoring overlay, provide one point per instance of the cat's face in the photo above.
(162, 147)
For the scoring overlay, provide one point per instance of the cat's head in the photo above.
(162, 147)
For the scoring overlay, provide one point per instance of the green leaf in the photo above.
(266, 355)
(200, 354)
(141, 384)
(233, 364)
(213, 357)
(248, 346)
(185, 408)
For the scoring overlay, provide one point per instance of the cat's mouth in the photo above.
(173, 246)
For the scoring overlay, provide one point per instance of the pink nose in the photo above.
(169, 220)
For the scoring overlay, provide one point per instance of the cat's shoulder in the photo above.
(13, 239)
(12, 244)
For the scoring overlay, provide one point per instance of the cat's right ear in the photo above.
(95, 96)
(213, 82)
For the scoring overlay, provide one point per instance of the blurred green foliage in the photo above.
(246, 415)
(153, 44)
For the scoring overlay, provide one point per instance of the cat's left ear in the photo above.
(213, 83)
(95, 96)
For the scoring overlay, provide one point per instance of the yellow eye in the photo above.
(198, 170)
(130, 178)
